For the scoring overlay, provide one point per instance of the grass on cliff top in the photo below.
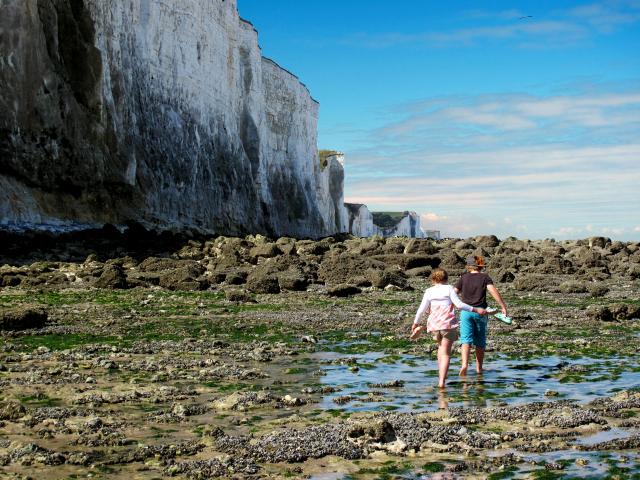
(324, 157)
(387, 219)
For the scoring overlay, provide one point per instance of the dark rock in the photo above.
(596, 290)
(393, 246)
(534, 282)
(309, 247)
(573, 286)
(239, 296)
(600, 242)
(293, 281)
(407, 262)
(503, 276)
(113, 276)
(376, 430)
(155, 264)
(450, 260)
(23, 319)
(193, 250)
(186, 278)
(599, 313)
(420, 246)
(634, 271)
(423, 272)
(487, 241)
(236, 277)
(340, 268)
(258, 283)
(343, 290)
(624, 311)
(143, 279)
(10, 280)
(380, 278)
(11, 411)
(265, 250)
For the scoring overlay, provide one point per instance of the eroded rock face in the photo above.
(159, 112)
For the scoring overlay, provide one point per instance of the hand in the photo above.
(504, 311)
(413, 327)
(480, 311)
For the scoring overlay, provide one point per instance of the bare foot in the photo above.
(463, 371)
(479, 370)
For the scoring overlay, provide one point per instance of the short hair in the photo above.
(439, 275)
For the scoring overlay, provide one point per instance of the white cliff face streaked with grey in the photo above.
(360, 220)
(163, 112)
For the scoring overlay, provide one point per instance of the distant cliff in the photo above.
(364, 223)
(158, 111)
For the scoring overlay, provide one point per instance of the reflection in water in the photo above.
(443, 400)
(504, 381)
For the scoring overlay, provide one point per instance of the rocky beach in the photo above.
(143, 355)
(186, 292)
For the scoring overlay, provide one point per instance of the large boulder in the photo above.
(185, 278)
(265, 250)
(486, 241)
(293, 281)
(384, 278)
(114, 277)
(257, 282)
(600, 242)
(535, 283)
(450, 260)
(340, 268)
(407, 262)
(420, 246)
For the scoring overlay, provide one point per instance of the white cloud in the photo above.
(556, 29)
(557, 115)
(554, 158)
(607, 16)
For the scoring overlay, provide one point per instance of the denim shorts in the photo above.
(473, 329)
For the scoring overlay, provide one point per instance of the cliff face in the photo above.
(163, 112)
(361, 223)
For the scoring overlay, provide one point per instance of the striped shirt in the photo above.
(438, 302)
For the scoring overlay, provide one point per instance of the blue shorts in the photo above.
(473, 329)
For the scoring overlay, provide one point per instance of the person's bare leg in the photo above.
(444, 358)
(465, 349)
(479, 359)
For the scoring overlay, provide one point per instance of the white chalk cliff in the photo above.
(362, 223)
(158, 111)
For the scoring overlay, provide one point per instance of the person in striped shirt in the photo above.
(439, 301)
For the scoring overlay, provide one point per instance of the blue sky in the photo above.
(512, 118)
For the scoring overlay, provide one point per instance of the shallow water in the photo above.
(575, 465)
(504, 381)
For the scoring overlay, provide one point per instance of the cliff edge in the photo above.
(161, 112)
